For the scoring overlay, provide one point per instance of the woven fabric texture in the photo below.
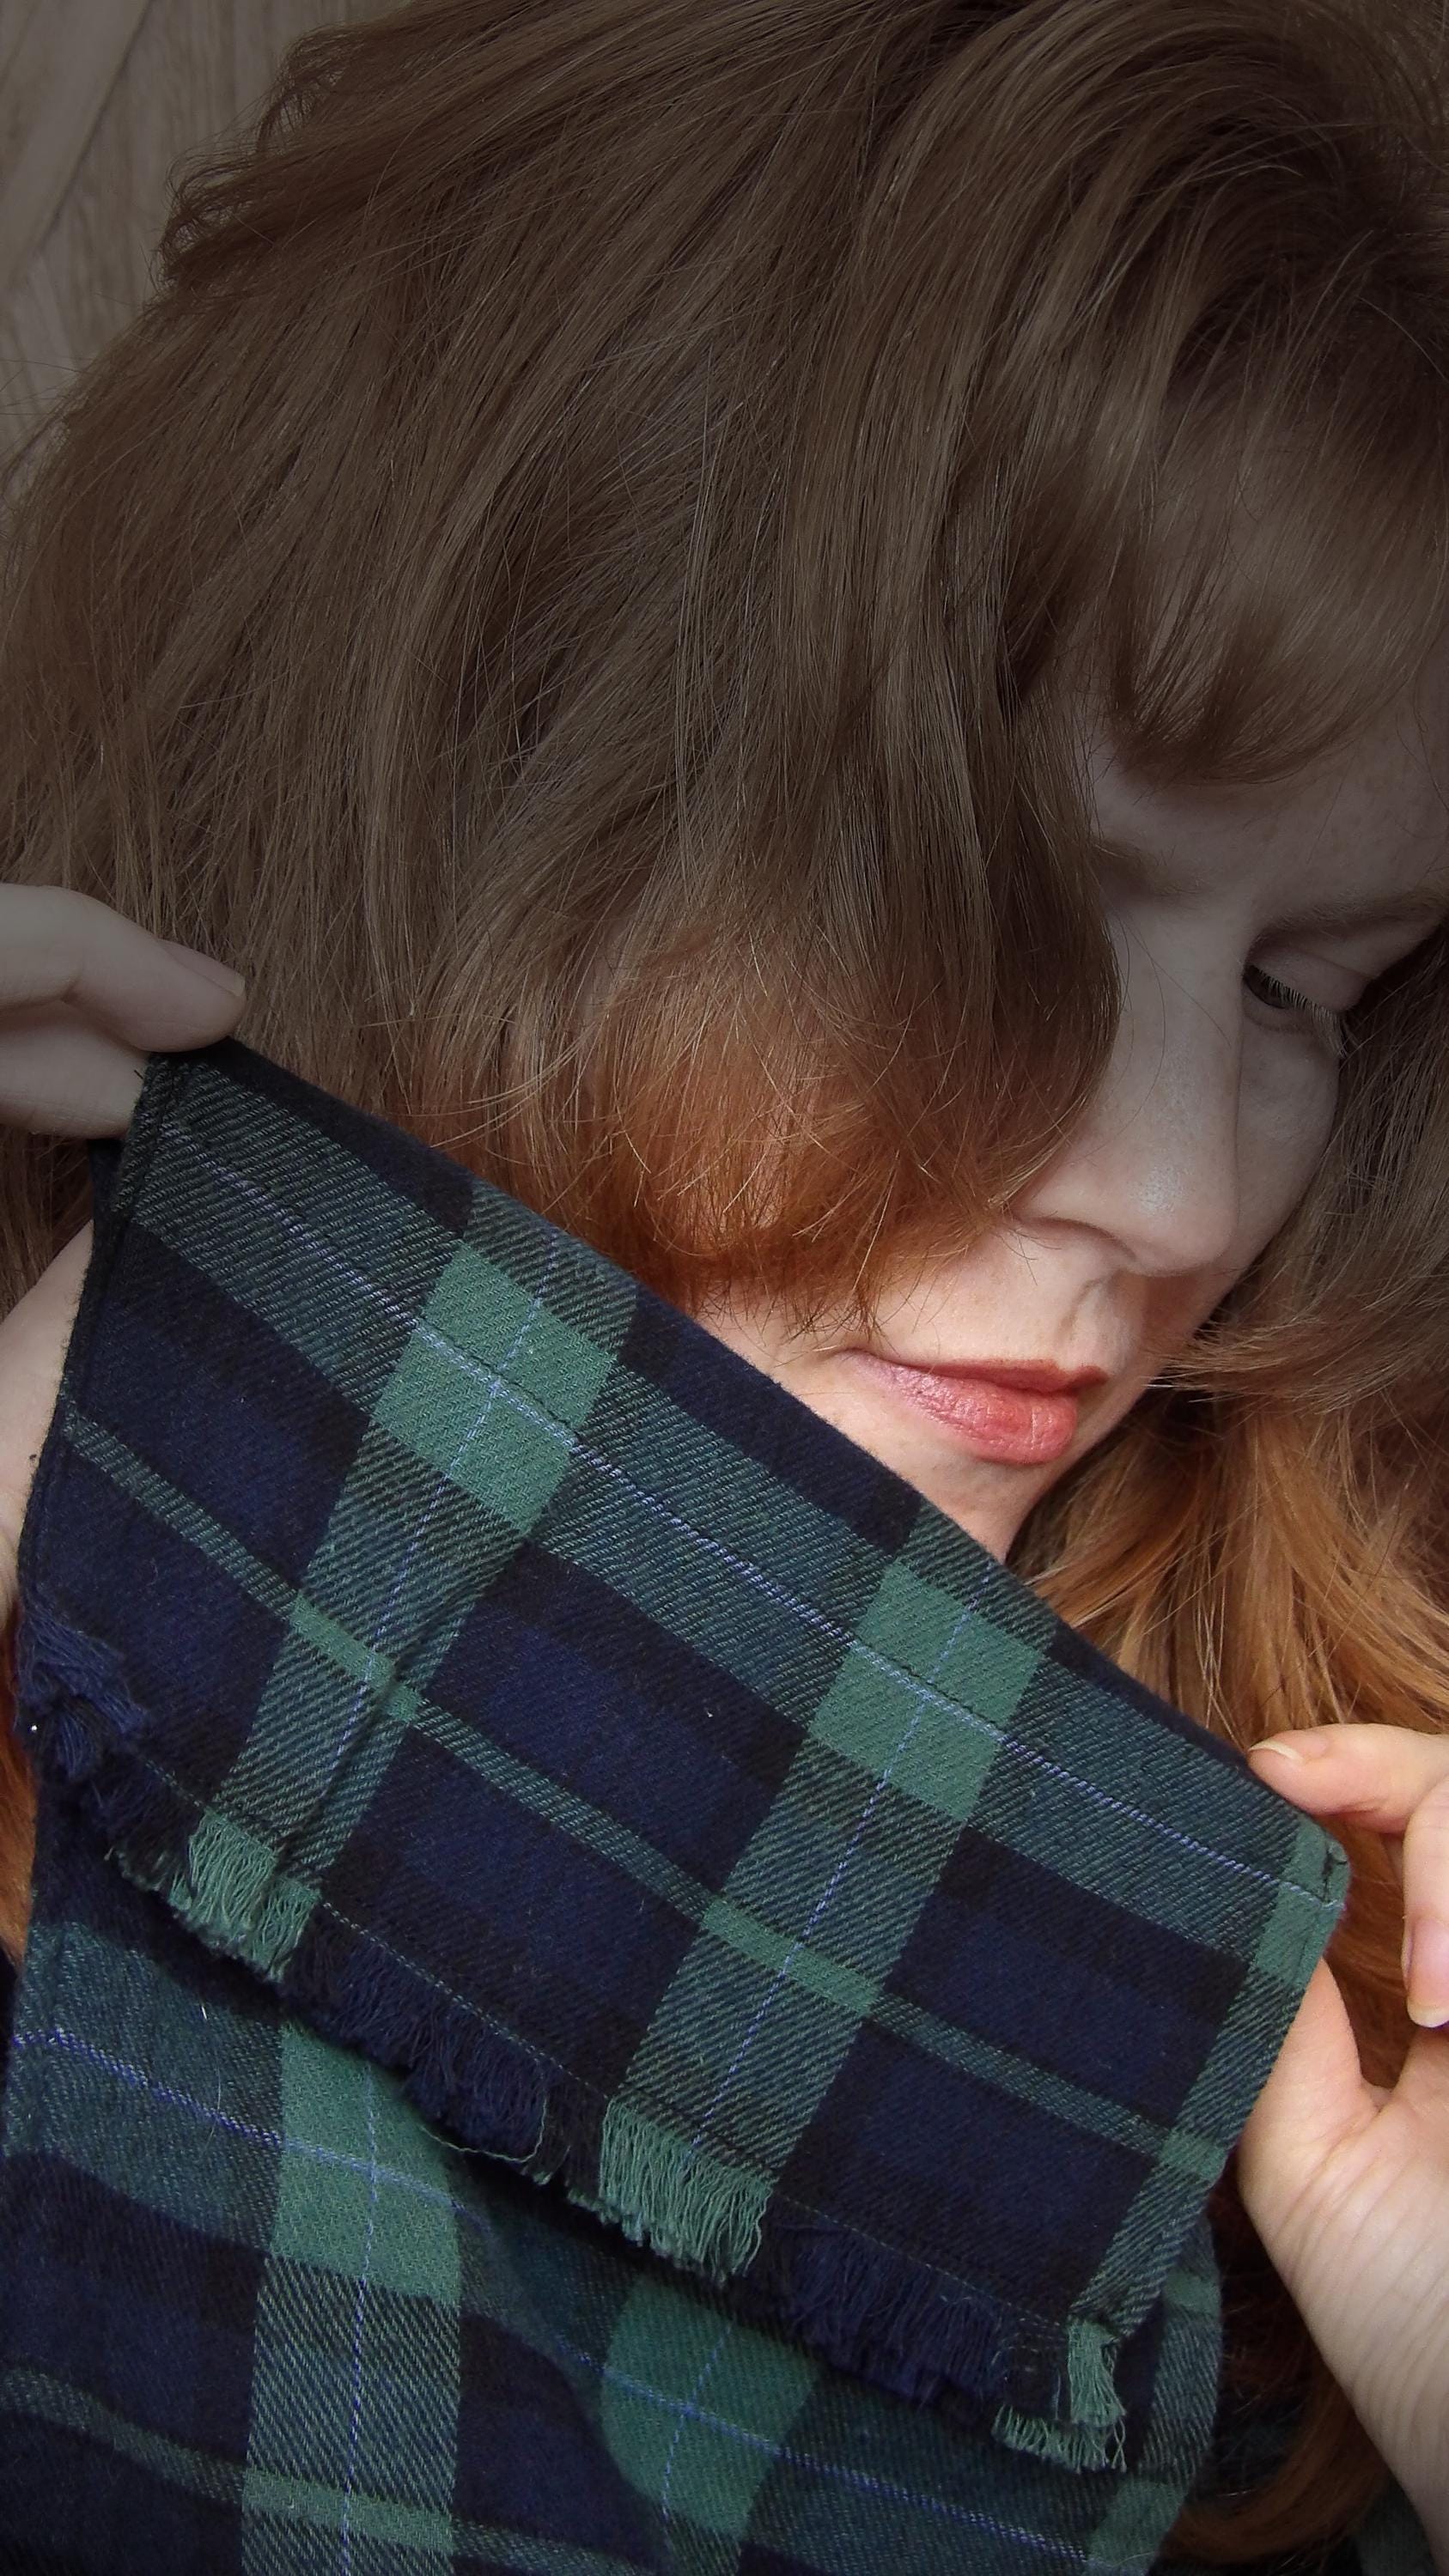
(607, 1989)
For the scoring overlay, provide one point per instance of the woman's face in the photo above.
(1205, 1132)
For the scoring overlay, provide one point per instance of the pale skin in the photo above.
(1207, 1129)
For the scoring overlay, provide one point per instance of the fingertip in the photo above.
(209, 969)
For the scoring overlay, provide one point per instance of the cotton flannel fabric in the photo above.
(607, 1989)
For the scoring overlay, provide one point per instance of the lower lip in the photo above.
(1002, 1422)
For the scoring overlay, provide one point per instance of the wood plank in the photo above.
(15, 15)
(56, 83)
(38, 360)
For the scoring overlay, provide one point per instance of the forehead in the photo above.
(1368, 823)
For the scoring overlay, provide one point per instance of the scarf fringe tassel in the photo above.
(1049, 2390)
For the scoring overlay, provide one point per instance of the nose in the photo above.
(1155, 1162)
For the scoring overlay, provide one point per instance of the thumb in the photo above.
(34, 1339)
(1315, 2097)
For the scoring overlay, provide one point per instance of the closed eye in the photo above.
(1328, 1026)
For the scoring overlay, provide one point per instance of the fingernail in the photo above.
(1426, 1972)
(211, 967)
(1305, 1745)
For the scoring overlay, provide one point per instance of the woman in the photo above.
(534, 391)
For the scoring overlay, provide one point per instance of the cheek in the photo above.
(1283, 1142)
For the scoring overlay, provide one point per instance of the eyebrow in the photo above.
(1428, 904)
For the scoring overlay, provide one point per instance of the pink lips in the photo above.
(1016, 1425)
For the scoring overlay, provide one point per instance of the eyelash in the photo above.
(1326, 1025)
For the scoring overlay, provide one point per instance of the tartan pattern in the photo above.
(330, 2340)
(555, 1732)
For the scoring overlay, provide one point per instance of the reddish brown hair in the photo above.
(586, 581)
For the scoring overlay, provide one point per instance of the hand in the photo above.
(85, 996)
(1347, 2182)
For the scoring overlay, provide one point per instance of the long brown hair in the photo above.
(583, 581)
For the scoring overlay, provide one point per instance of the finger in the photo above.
(1371, 1775)
(60, 1076)
(1395, 1782)
(34, 1339)
(1314, 2099)
(1426, 1909)
(59, 946)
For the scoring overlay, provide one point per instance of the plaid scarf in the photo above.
(607, 1990)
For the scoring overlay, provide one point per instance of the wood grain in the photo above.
(100, 101)
(57, 81)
